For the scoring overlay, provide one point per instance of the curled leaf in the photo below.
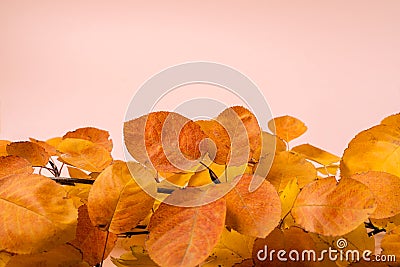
(287, 127)
(34, 153)
(92, 134)
(10, 165)
(316, 154)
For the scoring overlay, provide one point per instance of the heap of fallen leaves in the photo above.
(305, 197)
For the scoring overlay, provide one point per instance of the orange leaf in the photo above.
(316, 154)
(385, 187)
(165, 141)
(393, 120)
(330, 208)
(90, 240)
(77, 173)
(54, 141)
(182, 236)
(116, 202)
(84, 154)
(287, 127)
(3, 147)
(92, 134)
(10, 165)
(34, 153)
(51, 150)
(35, 215)
(391, 242)
(256, 213)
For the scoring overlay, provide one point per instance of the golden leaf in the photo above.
(165, 141)
(386, 189)
(288, 196)
(34, 153)
(77, 173)
(328, 170)
(287, 127)
(375, 149)
(391, 242)
(256, 213)
(50, 150)
(116, 202)
(54, 142)
(4, 258)
(393, 120)
(182, 236)
(97, 136)
(3, 147)
(316, 154)
(84, 154)
(35, 214)
(137, 257)
(10, 165)
(90, 240)
(330, 208)
(178, 179)
(203, 177)
(288, 165)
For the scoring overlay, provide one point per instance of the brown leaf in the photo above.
(90, 240)
(84, 154)
(386, 189)
(375, 149)
(182, 236)
(287, 127)
(256, 213)
(116, 202)
(92, 134)
(11, 165)
(287, 166)
(316, 154)
(3, 147)
(393, 120)
(51, 150)
(329, 208)
(34, 153)
(165, 141)
(35, 215)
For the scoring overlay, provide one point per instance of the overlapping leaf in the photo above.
(3, 147)
(116, 202)
(330, 208)
(50, 150)
(316, 154)
(34, 153)
(92, 134)
(391, 242)
(392, 120)
(287, 127)
(35, 215)
(10, 165)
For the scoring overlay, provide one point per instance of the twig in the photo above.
(213, 176)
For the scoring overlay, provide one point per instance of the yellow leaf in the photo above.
(54, 142)
(393, 120)
(35, 215)
(288, 165)
(254, 213)
(387, 223)
(203, 177)
(182, 236)
(84, 154)
(287, 127)
(328, 170)
(51, 150)
(97, 136)
(316, 154)
(329, 208)
(375, 149)
(178, 179)
(288, 196)
(79, 193)
(137, 257)
(385, 187)
(3, 147)
(10, 165)
(77, 173)
(4, 258)
(391, 242)
(34, 153)
(125, 204)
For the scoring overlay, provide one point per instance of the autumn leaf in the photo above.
(34, 153)
(287, 166)
(50, 150)
(4, 258)
(116, 202)
(330, 208)
(185, 236)
(90, 241)
(34, 218)
(97, 136)
(375, 149)
(165, 141)
(77, 173)
(84, 154)
(136, 257)
(287, 127)
(330, 170)
(54, 142)
(288, 196)
(10, 165)
(254, 213)
(200, 178)
(391, 242)
(178, 179)
(392, 120)
(316, 154)
(386, 189)
(3, 147)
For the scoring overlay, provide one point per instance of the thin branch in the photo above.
(213, 176)
(71, 181)
(375, 230)
(104, 250)
(130, 234)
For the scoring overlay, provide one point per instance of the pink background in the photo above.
(68, 64)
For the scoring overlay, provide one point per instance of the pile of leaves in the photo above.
(304, 197)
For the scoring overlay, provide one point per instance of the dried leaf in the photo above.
(316, 154)
(328, 170)
(287, 127)
(287, 166)
(90, 240)
(288, 196)
(34, 153)
(34, 218)
(84, 154)
(116, 202)
(391, 242)
(165, 141)
(182, 236)
(137, 257)
(393, 120)
(254, 213)
(10, 165)
(375, 149)
(50, 150)
(178, 179)
(332, 209)
(92, 134)
(203, 177)
(386, 189)
(54, 142)
(3, 147)
(77, 173)
(4, 258)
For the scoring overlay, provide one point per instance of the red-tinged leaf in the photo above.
(34, 153)
(92, 134)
